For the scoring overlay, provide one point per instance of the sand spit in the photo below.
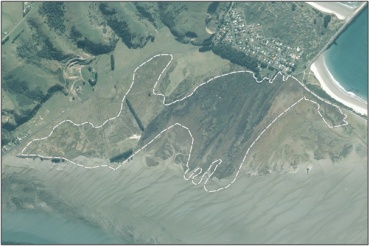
(340, 10)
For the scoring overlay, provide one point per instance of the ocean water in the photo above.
(347, 58)
(30, 227)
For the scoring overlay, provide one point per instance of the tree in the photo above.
(237, 57)
(327, 19)
(294, 7)
(112, 62)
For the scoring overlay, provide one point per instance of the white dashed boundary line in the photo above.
(197, 171)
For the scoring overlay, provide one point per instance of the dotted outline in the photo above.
(197, 171)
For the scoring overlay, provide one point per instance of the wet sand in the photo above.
(334, 89)
(155, 204)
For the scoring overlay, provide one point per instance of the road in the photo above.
(20, 22)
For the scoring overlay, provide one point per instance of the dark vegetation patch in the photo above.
(212, 8)
(121, 27)
(39, 47)
(144, 13)
(168, 19)
(103, 7)
(184, 24)
(123, 31)
(343, 153)
(211, 112)
(132, 110)
(89, 46)
(207, 44)
(191, 35)
(19, 87)
(16, 37)
(6, 136)
(294, 6)
(122, 156)
(57, 160)
(327, 19)
(237, 57)
(31, 100)
(4, 40)
(112, 62)
(54, 13)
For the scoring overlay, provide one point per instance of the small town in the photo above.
(249, 38)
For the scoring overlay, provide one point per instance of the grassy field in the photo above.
(147, 200)
(209, 106)
(12, 13)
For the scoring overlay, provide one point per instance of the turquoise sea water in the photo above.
(347, 60)
(30, 227)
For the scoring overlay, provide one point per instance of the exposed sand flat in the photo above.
(340, 10)
(334, 89)
(327, 205)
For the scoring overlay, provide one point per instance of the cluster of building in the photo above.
(249, 38)
(27, 6)
(16, 141)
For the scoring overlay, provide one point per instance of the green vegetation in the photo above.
(208, 113)
(327, 19)
(54, 12)
(57, 160)
(211, 110)
(90, 75)
(90, 46)
(123, 31)
(212, 8)
(4, 40)
(132, 110)
(16, 37)
(183, 19)
(236, 57)
(39, 47)
(112, 62)
(321, 93)
(26, 98)
(145, 13)
(294, 6)
(121, 157)
(131, 31)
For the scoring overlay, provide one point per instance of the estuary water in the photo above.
(347, 58)
(30, 227)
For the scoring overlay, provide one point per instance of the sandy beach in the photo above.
(155, 205)
(340, 10)
(334, 89)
